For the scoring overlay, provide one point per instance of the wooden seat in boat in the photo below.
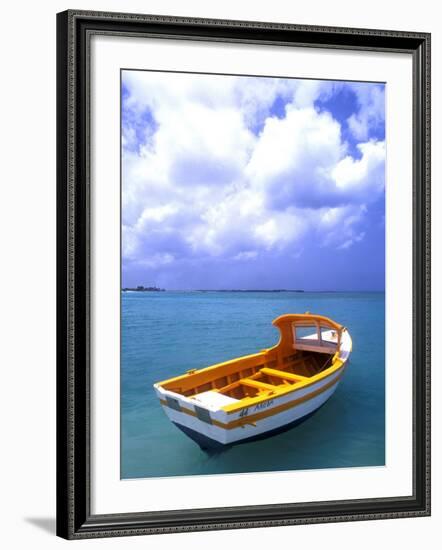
(257, 384)
(284, 375)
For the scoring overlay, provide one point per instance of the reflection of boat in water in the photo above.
(258, 395)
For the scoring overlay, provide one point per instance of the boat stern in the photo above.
(201, 418)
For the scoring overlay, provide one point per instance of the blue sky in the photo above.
(252, 182)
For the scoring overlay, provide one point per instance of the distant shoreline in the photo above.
(254, 290)
(143, 289)
(234, 290)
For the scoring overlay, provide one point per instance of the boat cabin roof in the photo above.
(306, 319)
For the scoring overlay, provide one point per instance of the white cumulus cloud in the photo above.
(371, 113)
(215, 173)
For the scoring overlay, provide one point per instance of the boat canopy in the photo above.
(309, 332)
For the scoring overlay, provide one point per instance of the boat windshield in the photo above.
(315, 336)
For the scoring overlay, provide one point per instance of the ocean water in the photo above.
(167, 333)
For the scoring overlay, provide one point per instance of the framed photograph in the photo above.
(243, 274)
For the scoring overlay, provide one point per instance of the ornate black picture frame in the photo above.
(74, 518)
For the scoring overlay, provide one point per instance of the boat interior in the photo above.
(307, 347)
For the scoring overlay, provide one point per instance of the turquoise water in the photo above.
(167, 333)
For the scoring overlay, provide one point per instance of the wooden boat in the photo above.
(261, 394)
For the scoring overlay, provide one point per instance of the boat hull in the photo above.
(212, 446)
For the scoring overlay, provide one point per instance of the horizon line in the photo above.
(298, 291)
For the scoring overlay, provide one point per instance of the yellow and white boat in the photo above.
(261, 394)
